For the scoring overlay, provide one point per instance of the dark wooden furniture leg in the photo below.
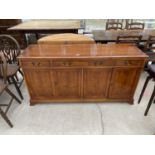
(17, 88)
(5, 118)
(144, 87)
(150, 102)
(11, 94)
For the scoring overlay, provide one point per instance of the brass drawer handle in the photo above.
(97, 63)
(35, 64)
(130, 63)
(126, 63)
(67, 63)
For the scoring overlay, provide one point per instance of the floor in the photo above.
(94, 118)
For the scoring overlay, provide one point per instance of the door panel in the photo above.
(67, 82)
(39, 82)
(96, 81)
(122, 83)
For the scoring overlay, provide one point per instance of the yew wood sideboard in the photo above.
(82, 72)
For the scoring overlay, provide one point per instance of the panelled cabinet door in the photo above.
(67, 82)
(95, 82)
(123, 83)
(39, 83)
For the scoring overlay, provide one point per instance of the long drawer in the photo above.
(35, 63)
(84, 63)
(39, 63)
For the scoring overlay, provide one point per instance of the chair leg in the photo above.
(9, 105)
(17, 88)
(144, 87)
(8, 80)
(16, 77)
(5, 118)
(12, 95)
(150, 102)
(21, 72)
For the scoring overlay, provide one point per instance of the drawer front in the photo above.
(35, 63)
(84, 63)
(128, 63)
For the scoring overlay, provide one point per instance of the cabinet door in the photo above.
(123, 83)
(95, 82)
(67, 82)
(39, 83)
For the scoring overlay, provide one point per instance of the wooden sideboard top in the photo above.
(83, 51)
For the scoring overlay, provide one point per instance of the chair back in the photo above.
(132, 25)
(3, 67)
(10, 48)
(114, 24)
(129, 39)
(150, 44)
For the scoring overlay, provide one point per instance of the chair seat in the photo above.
(152, 68)
(151, 55)
(11, 69)
(2, 86)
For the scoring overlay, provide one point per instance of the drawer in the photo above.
(35, 63)
(69, 63)
(128, 63)
(107, 62)
(82, 63)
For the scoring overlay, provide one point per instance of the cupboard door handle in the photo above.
(38, 63)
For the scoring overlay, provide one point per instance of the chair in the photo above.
(151, 72)
(114, 24)
(4, 87)
(133, 25)
(11, 50)
(150, 44)
(129, 39)
(148, 49)
(150, 68)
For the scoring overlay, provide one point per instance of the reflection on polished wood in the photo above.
(82, 72)
(111, 35)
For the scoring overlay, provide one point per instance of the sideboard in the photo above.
(82, 72)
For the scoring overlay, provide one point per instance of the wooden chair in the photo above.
(114, 24)
(11, 50)
(151, 72)
(150, 68)
(133, 25)
(150, 44)
(129, 39)
(4, 87)
(149, 49)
